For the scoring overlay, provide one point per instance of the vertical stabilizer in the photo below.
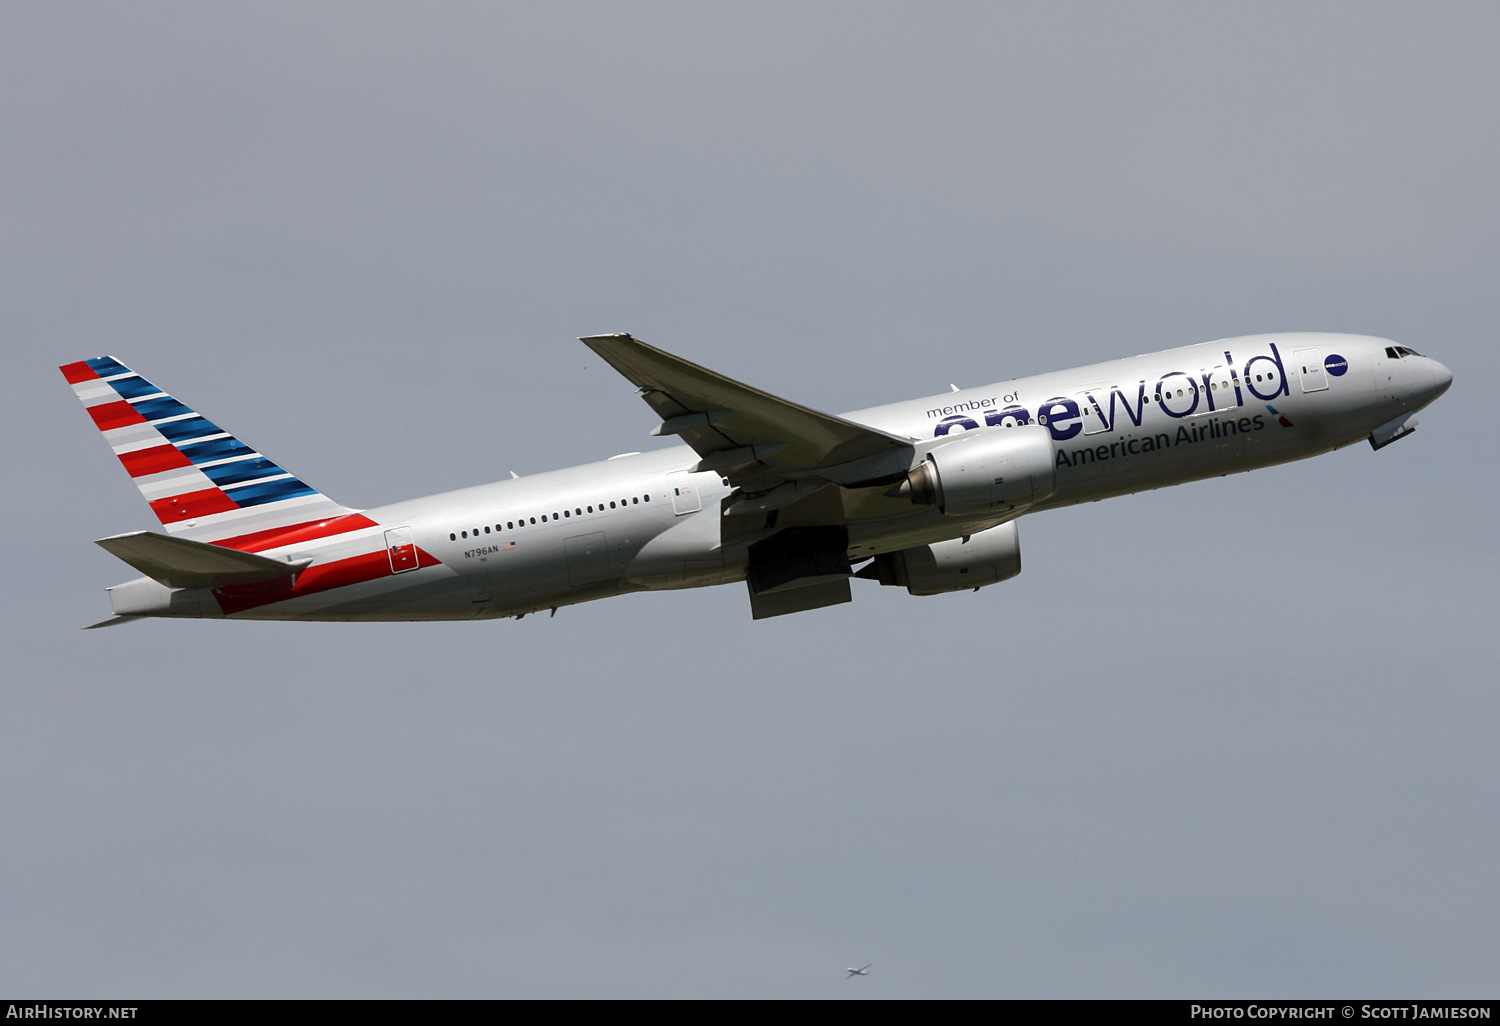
(202, 482)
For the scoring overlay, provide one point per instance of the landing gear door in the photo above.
(398, 545)
(684, 493)
(1309, 363)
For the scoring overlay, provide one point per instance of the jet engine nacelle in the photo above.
(986, 470)
(988, 557)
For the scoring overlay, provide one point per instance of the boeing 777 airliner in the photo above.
(924, 494)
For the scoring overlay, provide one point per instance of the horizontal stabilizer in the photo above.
(112, 621)
(180, 563)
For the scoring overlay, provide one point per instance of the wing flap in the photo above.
(180, 563)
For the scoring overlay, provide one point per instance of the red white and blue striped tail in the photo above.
(202, 482)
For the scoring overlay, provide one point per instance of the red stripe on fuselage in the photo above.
(276, 537)
(340, 573)
(193, 504)
(109, 416)
(76, 372)
(154, 460)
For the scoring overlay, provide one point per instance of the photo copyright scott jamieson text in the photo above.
(1417, 1010)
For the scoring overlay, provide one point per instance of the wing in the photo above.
(774, 451)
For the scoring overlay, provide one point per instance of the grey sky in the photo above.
(1234, 738)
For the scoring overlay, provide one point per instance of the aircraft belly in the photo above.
(430, 594)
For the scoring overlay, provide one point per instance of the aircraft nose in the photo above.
(1442, 377)
(1428, 380)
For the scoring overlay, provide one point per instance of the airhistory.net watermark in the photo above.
(50, 1010)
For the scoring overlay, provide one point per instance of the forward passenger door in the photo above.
(1309, 363)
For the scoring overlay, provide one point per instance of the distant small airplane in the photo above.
(859, 972)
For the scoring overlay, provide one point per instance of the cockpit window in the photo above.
(1393, 352)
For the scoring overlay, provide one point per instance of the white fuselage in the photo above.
(646, 521)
